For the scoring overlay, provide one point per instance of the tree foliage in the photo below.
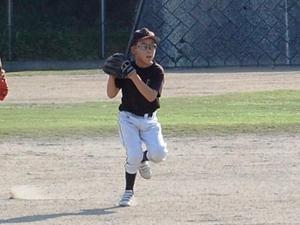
(65, 30)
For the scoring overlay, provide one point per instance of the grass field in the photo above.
(240, 112)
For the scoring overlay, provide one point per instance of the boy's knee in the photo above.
(159, 155)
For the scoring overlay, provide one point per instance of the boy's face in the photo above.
(144, 52)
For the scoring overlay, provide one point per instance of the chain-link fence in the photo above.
(204, 33)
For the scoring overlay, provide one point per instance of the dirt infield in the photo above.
(73, 89)
(209, 179)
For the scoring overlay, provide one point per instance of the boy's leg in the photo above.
(130, 136)
(127, 198)
(145, 158)
(133, 146)
(130, 180)
(153, 139)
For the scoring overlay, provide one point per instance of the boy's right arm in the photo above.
(111, 88)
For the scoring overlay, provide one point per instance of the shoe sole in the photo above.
(146, 178)
(127, 204)
(124, 205)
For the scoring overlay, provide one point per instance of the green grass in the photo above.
(239, 112)
(274, 111)
(44, 120)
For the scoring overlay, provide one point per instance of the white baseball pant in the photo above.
(134, 131)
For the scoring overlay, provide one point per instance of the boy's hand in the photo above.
(127, 68)
(118, 66)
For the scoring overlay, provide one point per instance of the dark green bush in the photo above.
(65, 30)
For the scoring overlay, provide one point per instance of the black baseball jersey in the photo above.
(132, 100)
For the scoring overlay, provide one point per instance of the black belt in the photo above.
(145, 115)
(148, 115)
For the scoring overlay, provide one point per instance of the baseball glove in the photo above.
(118, 66)
(3, 88)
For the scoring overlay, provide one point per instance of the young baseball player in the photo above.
(138, 122)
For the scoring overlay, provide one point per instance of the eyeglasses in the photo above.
(146, 47)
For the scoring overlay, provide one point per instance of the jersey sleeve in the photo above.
(158, 81)
(118, 83)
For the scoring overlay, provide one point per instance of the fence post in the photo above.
(102, 28)
(9, 24)
(287, 35)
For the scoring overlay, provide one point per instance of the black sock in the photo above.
(130, 179)
(145, 158)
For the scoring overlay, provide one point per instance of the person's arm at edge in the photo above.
(2, 72)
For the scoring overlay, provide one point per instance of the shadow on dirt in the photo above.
(83, 212)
